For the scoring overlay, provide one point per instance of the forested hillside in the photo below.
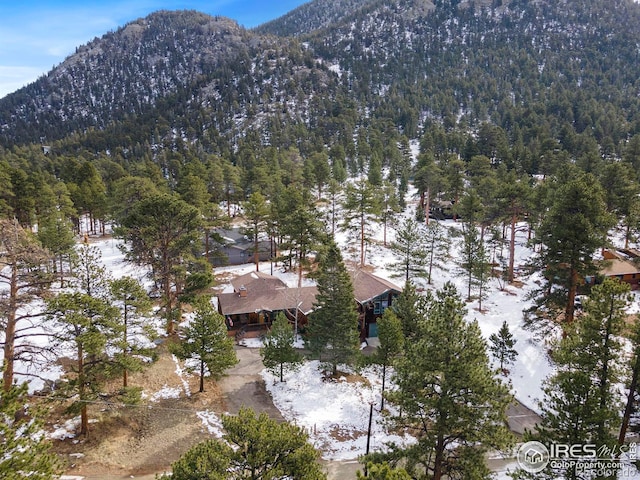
(342, 117)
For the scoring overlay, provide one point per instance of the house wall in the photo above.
(372, 311)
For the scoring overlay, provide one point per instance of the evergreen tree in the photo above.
(391, 344)
(581, 403)
(161, 231)
(23, 278)
(382, 471)
(55, 228)
(89, 275)
(299, 226)
(256, 212)
(501, 346)
(572, 230)
(332, 334)
(88, 327)
(24, 449)
(410, 246)
(278, 353)
(436, 247)
(205, 341)
(447, 391)
(429, 181)
(409, 307)
(514, 195)
(361, 211)
(389, 207)
(253, 447)
(134, 304)
(55, 233)
(474, 261)
(634, 379)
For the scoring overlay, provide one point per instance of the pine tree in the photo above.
(332, 333)
(501, 346)
(391, 344)
(24, 449)
(88, 327)
(474, 261)
(361, 211)
(55, 229)
(382, 471)
(436, 243)
(205, 340)
(409, 307)
(572, 230)
(634, 381)
(161, 231)
(253, 447)
(447, 391)
(89, 275)
(24, 278)
(410, 246)
(581, 404)
(256, 212)
(278, 353)
(134, 304)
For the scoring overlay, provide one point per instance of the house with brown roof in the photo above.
(623, 264)
(256, 300)
(258, 297)
(373, 295)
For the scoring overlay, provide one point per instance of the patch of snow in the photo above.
(67, 430)
(334, 413)
(211, 422)
(166, 392)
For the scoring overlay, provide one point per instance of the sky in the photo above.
(37, 35)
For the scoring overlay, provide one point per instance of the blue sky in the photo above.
(36, 35)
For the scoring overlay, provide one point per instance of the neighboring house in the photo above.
(232, 247)
(258, 297)
(441, 209)
(623, 264)
(373, 295)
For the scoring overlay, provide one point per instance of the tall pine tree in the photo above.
(581, 403)
(332, 334)
(447, 391)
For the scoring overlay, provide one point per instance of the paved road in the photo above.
(521, 418)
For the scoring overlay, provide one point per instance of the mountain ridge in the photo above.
(408, 61)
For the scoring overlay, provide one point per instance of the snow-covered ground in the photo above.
(336, 414)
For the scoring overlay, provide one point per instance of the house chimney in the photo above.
(243, 291)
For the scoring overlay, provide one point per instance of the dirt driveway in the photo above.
(243, 385)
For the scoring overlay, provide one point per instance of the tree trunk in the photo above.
(628, 409)
(573, 287)
(10, 331)
(384, 377)
(362, 241)
(512, 248)
(84, 418)
(201, 376)
(439, 460)
(427, 206)
(126, 344)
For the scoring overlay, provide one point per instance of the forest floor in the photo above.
(126, 442)
(140, 442)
